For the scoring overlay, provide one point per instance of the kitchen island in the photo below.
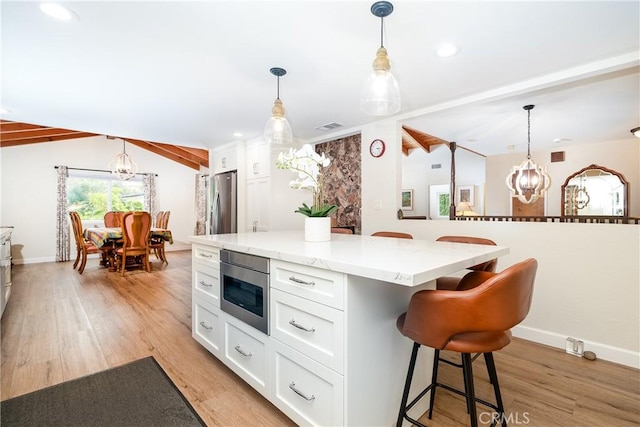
(333, 355)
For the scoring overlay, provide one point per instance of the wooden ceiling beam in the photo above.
(164, 153)
(17, 133)
(35, 140)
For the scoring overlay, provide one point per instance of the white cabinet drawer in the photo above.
(323, 286)
(206, 255)
(313, 329)
(206, 326)
(309, 393)
(246, 354)
(206, 284)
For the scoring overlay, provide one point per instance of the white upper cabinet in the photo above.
(225, 158)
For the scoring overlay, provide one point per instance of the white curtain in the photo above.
(150, 198)
(201, 205)
(63, 245)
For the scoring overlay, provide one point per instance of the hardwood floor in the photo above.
(59, 325)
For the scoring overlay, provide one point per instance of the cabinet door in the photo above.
(206, 325)
(258, 160)
(258, 199)
(225, 160)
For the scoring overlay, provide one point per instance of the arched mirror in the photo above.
(595, 191)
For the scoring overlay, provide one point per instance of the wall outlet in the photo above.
(575, 346)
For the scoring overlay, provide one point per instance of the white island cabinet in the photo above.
(333, 355)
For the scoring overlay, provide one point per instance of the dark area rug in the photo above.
(137, 394)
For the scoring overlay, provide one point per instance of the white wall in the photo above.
(29, 190)
(588, 281)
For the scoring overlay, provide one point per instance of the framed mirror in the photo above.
(595, 191)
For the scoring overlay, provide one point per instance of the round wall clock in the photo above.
(376, 149)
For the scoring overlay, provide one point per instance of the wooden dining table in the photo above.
(101, 236)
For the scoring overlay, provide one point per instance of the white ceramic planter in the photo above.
(317, 229)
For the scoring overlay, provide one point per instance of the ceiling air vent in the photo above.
(329, 126)
(436, 165)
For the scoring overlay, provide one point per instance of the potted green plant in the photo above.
(308, 164)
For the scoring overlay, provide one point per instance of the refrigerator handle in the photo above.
(217, 219)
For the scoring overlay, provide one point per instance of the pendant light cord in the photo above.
(528, 134)
(278, 88)
(382, 31)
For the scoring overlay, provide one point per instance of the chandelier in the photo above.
(123, 165)
(278, 130)
(380, 93)
(528, 181)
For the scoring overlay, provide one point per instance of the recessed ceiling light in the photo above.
(511, 147)
(559, 140)
(59, 12)
(447, 49)
(237, 134)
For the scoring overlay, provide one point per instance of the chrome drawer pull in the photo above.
(204, 325)
(292, 322)
(239, 350)
(302, 282)
(292, 386)
(206, 255)
(208, 285)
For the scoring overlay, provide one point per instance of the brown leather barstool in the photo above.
(475, 319)
(393, 234)
(451, 283)
(339, 230)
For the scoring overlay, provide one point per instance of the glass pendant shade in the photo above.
(278, 131)
(123, 165)
(380, 92)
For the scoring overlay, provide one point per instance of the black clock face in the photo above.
(377, 148)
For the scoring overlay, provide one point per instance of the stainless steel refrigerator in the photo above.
(223, 217)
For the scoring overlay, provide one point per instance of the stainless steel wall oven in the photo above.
(244, 288)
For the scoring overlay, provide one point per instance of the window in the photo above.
(93, 194)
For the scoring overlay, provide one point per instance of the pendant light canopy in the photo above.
(528, 181)
(380, 93)
(278, 130)
(123, 165)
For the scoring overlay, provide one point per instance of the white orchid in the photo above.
(307, 163)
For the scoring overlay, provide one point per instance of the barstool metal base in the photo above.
(469, 393)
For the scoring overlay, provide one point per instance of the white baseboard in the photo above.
(602, 351)
(33, 260)
(177, 246)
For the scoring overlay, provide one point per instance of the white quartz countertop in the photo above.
(401, 261)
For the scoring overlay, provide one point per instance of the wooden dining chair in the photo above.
(156, 243)
(396, 234)
(84, 247)
(159, 218)
(136, 226)
(113, 219)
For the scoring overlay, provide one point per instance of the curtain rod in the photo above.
(102, 170)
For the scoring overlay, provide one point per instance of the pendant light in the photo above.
(123, 165)
(380, 93)
(528, 181)
(278, 130)
(636, 132)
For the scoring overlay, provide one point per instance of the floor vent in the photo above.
(329, 126)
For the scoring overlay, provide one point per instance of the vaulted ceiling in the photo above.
(194, 73)
(16, 133)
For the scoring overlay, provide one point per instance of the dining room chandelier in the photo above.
(528, 181)
(380, 93)
(278, 130)
(122, 165)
